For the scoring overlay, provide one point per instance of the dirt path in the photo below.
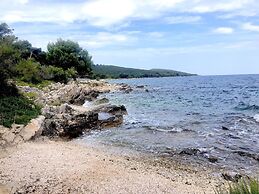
(66, 167)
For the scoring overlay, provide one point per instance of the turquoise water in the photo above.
(215, 114)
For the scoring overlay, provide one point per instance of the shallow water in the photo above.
(215, 114)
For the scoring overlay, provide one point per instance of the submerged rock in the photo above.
(190, 151)
(101, 101)
(225, 128)
(231, 176)
(247, 154)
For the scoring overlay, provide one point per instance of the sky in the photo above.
(207, 37)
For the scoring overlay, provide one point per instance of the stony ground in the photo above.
(66, 167)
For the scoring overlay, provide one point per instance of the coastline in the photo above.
(45, 166)
(55, 165)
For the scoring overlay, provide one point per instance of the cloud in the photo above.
(223, 30)
(204, 6)
(107, 13)
(182, 19)
(250, 27)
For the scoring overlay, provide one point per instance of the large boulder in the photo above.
(71, 121)
(20, 133)
(33, 129)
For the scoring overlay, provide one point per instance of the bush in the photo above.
(58, 74)
(29, 71)
(242, 187)
(19, 110)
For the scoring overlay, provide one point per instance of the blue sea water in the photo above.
(219, 115)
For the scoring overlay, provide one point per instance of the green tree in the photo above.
(29, 71)
(67, 54)
(8, 58)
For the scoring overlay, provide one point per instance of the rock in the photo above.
(16, 128)
(3, 129)
(8, 137)
(65, 108)
(71, 125)
(190, 151)
(225, 128)
(2, 143)
(109, 120)
(18, 139)
(231, 176)
(212, 159)
(101, 101)
(128, 90)
(74, 121)
(33, 129)
(247, 154)
(115, 110)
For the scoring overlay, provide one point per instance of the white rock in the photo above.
(8, 136)
(33, 129)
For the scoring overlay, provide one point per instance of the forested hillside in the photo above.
(110, 71)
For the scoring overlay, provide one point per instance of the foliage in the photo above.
(110, 71)
(29, 71)
(67, 54)
(40, 85)
(58, 74)
(242, 187)
(4, 30)
(17, 110)
(7, 89)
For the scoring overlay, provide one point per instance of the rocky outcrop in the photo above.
(71, 121)
(63, 113)
(20, 133)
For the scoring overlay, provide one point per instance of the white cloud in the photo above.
(223, 30)
(204, 6)
(250, 27)
(106, 13)
(182, 19)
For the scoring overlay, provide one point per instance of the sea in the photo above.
(209, 118)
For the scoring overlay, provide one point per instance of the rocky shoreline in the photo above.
(63, 114)
(47, 163)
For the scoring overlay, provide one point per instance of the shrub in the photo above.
(242, 187)
(58, 74)
(29, 71)
(19, 110)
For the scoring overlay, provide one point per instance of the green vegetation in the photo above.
(17, 109)
(115, 72)
(23, 64)
(20, 61)
(68, 54)
(242, 187)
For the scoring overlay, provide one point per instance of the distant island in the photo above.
(115, 72)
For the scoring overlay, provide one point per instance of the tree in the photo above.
(5, 30)
(29, 71)
(67, 54)
(24, 46)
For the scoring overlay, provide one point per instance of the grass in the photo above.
(31, 95)
(40, 85)
(19, 110)
(242, 187)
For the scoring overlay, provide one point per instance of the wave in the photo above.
(243, 106)
(168, 130)
(256, 117)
